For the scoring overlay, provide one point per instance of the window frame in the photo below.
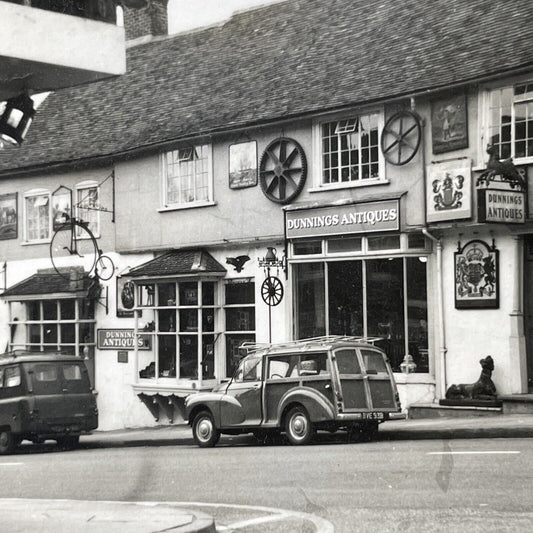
(32, 194)
(318, 184)
(485, 123)
(166, 205)
(85, 186)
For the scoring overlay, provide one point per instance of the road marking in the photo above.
(11, 464)
(493, 452)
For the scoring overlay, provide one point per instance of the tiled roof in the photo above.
(48, 281)
(286, 59)
(176, 262)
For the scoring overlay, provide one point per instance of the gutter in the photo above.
(442, 350)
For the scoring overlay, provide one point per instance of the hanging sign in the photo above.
(122, 339)
(365, 217)
(508, 207)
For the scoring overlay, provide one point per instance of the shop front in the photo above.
(355, 273)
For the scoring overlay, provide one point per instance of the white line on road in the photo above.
(11, 464)
(494, 452)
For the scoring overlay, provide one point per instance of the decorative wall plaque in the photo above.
(449, 129)
(476, 276)
(449, 191)
(8, 216)
(243, 165)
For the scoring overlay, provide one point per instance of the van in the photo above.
(326, 383)
(44, 396)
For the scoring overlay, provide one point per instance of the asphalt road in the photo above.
(332, 485)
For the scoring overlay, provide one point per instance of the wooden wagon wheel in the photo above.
(272, 291)
(401, 136)
(282, 170)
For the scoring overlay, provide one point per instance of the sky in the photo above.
(187, 14)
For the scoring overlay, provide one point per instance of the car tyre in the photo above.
(68, 442)
(204, 430)
(8, 442)
(298, 426)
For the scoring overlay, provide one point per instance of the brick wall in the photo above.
(149, 20)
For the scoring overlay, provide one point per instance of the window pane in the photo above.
(166, 294)
(67, 333)
(34, 333)
(307, 247)
(34, 310)
(417, 312)
(87, 204)
(188, 320)
(233, 354)
(385, 242)
(49, 310)
(167, 356)
(146, 295)
(167, 320)
(67, 309)
(12, 376)
(50, 333)
(208, 356)
(348, 244)
(345, 287)
(240, 319)
(208, 320)
(347, 362)
(313, 365)
(38, 217)
(188, 356)
(373, 361)
(208, 293)
(310, 300)
(188, 293)
(240, 293)
(385, 315)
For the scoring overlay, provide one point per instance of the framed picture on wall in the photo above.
(449, 127)
(243, 165)
(477, 276)
(8, 216)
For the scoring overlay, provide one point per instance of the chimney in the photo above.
(151, 19)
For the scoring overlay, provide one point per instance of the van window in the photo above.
(72, 372)
(45, 378)
(76, 380)
(284, 366)
(347, 362)
(249, 370)
(374, 361)
(12, 376)
(314, 364)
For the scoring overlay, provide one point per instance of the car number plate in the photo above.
(373, 416)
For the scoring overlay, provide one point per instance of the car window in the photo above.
(249, 370)
(12, 376)
(283, 366)
(347, 361)
(314, 364)
(44, 378)
(374, 361)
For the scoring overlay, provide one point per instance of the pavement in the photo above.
(86, 517)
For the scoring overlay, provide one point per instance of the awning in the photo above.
(178, 263)
(47, 283)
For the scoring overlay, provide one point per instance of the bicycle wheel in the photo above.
(104, 268)
(74, 241)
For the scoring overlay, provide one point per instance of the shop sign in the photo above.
(508, 207)
(343, 219)
(122, 339)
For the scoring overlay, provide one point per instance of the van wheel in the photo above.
(298, 426)
(204, 431)
(69, 442)
(8, 442)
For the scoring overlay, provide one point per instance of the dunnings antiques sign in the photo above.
(365, 217)
(496, 205)
(122, 339)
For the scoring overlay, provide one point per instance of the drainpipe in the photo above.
(441, 363)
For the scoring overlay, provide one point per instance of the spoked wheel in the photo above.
(68, 442)
(298, 426)
(204, 431)
(104, 267)
(75, 241)
(8, 442)
(272, 291)
(401, 137)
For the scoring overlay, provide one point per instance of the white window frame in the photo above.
(485, 121)
(318, 184)
(84, 186)
(170, 206)
(32, 194)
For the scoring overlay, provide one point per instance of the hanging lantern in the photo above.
(16, 119)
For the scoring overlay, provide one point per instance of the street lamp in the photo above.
(16, 119)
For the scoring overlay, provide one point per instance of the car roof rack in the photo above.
(253, 347)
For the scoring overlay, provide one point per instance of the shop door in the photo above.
(528, 309)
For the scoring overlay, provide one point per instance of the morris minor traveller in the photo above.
(327, 383)
(44, 396)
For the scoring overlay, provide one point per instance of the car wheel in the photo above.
(8, 442)
(298, 426)
(204, 431)
(69, 442)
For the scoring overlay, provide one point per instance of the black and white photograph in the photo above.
(266, 266)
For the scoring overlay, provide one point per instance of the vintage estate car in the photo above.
(44, 396)
(325, 383)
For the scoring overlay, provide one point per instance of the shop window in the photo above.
(509, 121)
(145, 295)
(383, 242)
(307, 247)
(350, 150)
(239, 309)
(384, 298)
(346, 244)
(187, 176)
(37, 216)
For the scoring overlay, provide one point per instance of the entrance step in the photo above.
(434, 410)
(517, 404)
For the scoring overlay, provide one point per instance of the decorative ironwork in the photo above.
(503, 171)
(401, 136)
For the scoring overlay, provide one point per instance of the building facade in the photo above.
(252, 188)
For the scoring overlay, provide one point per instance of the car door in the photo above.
(241, 405)
(351, 380)
(380, 380)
